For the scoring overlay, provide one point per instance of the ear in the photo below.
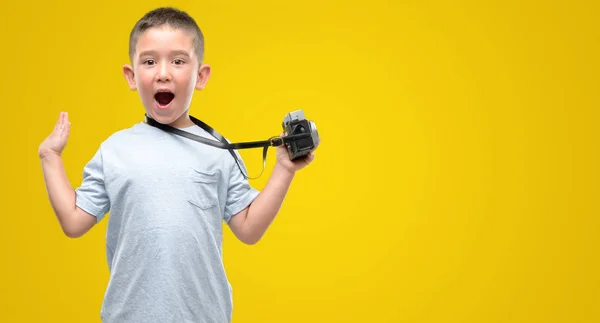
(129, 76)
(203, 75)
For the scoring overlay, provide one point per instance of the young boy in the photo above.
(167, 195)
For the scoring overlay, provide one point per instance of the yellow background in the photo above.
(457, 180)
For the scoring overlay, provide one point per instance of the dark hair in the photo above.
(172, 17)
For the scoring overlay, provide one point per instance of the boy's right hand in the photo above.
(57, 140)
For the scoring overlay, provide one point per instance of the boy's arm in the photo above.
(73, 220)
(250, 224)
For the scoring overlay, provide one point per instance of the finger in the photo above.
(66, 130)
(57, 124)
(309, 158)
(62, 120)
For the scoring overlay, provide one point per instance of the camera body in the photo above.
(295, 123)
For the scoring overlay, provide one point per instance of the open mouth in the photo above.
(164, 98)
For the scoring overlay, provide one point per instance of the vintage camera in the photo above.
(294, 123)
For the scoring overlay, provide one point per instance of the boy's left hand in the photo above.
(283, 159)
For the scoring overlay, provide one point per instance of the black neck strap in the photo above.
(222, 143)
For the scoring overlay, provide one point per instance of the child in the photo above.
(167, 195)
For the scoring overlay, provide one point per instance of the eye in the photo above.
(178, 61)
(149, 62)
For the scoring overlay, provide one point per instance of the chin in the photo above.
(166, 116)
(164, 119)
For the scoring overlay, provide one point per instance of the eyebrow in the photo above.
(176, 52)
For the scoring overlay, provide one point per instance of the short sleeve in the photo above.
(239, 192)
(91, 196)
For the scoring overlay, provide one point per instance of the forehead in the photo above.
(164, 39)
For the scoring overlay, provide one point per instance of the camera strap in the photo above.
(222, 143)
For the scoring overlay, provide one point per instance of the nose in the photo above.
(164, 73)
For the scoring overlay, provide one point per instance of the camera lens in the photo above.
(301, 129)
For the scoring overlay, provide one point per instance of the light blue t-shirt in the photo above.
(168, 197)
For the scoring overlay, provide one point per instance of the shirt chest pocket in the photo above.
(204, 189)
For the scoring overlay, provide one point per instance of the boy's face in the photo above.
(165, 71)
